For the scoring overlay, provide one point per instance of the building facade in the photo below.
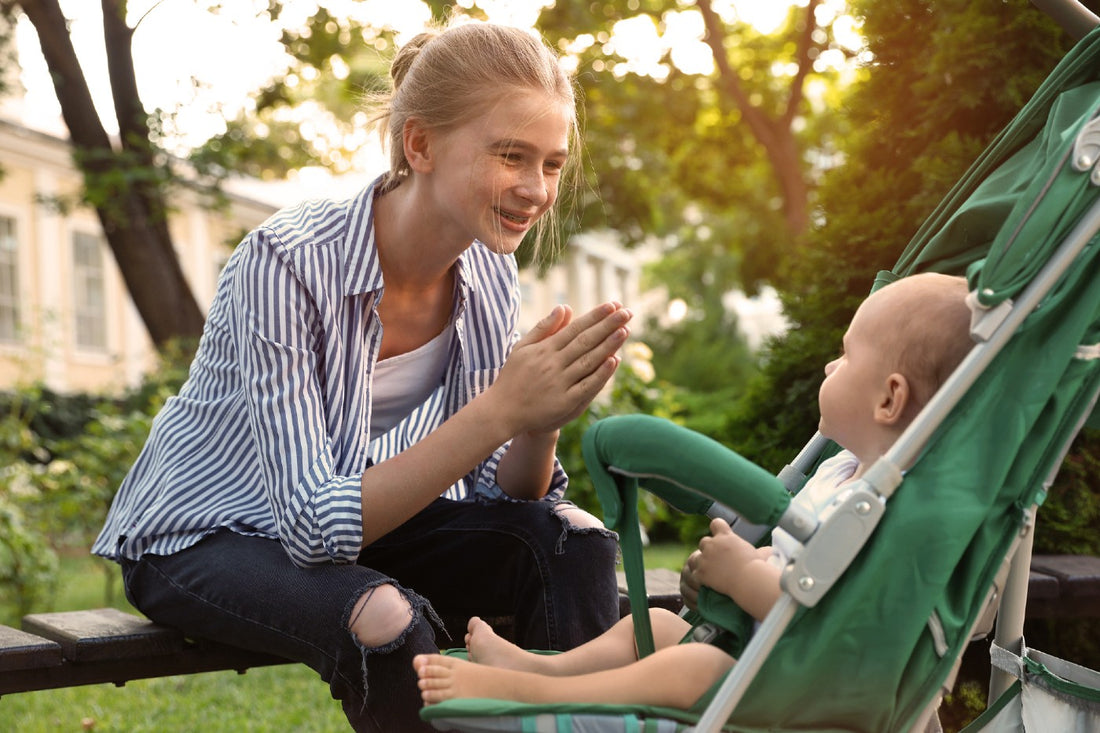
(66, 320)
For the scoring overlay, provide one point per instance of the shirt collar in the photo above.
(364, 271)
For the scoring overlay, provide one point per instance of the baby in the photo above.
(902, 343)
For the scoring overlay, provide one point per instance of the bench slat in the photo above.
(1076, 587)
(20, 650)
(662, 587)
(103, 633)
(71, 648)
(1078, 575)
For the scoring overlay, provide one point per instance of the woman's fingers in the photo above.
(585, 390)
(559, 367)
(574, 349)
(558, 317)
(584, 345)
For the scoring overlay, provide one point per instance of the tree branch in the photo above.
(77, 108)
(133, 125)
(805, 63)
(762, 127)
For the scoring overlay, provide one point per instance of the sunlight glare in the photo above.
(766, 16)
(677, 310)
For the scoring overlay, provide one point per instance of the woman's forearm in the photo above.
(527, 467)
(396, 489)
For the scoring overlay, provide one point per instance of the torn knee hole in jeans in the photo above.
(419, 609)
(575, 520)
(415, 608)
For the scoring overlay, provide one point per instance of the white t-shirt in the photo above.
(402, 383)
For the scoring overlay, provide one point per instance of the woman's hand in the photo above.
(556, 370)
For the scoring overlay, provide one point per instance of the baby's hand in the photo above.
(722, 556)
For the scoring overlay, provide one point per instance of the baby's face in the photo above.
(849, 393)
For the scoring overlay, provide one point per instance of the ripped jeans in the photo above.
(458, 559)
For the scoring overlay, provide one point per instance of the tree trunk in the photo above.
(774, 135)
(124, 185)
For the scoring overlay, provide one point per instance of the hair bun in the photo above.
(405, 57)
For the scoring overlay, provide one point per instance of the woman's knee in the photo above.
(380, 616)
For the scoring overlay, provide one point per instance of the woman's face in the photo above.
(495, 176)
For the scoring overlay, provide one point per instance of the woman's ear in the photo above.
(417, 141)
(892, 402)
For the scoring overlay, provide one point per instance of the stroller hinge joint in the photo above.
(984, 321)
(843, 530)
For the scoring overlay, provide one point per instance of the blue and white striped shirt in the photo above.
(269, 435)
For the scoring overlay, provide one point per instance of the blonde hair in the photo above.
(932, 333)
(449, 75)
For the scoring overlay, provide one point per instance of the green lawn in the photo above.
(284, 698)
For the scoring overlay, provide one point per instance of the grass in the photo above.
(669, 555)
(284, 698)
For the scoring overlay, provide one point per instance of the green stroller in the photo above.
(890, 588)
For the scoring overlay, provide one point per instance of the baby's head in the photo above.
(903, 342)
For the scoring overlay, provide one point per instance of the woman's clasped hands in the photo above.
(560, 365)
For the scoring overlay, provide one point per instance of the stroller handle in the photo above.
(688, 470)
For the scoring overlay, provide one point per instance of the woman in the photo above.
(363, 439)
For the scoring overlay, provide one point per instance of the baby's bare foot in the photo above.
(488, 648)
(445, 678)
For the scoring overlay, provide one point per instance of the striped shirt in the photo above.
(269, 435)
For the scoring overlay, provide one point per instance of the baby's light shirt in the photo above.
(826, 486)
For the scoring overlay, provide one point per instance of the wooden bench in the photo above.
(71, 648)
(1064, 587)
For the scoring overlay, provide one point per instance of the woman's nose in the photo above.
(534, 187)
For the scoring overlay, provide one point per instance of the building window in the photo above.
(89, 293)
(9, 281)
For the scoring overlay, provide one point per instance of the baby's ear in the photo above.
(893, 400)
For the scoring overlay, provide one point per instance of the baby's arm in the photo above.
(733, 566)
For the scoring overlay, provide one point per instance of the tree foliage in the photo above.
(63, 458)
(314, 113)
(691, 153)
